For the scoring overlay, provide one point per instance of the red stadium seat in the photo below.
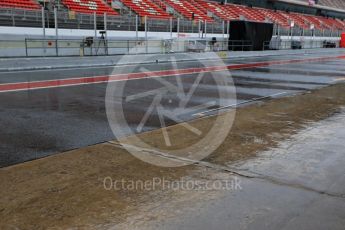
(89, 6)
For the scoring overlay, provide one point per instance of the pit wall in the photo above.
(13, 43)
(306, 42)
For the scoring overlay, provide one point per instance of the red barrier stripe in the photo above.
(8, 87)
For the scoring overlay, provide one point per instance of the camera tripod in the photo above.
(102, 42)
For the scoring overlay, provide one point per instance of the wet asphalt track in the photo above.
(42, 122)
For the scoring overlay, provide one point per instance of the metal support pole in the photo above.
(95, 24)
(128, 49)
(136, 33)
(199, 29)
(312, 40)
(171, 28)
(106, 26)
(44, 31)
(178, 27)
(146, 28)
(105, 21)
(136, 28)
(26, 47)
(278, 30)
(13, 20)
(43, 22)
(56, 23)
(193, 26)
(290, 33)
(146, 37)
(223, 29)
(205, 28)
(228, 29)
(57, 47)
(48, 25)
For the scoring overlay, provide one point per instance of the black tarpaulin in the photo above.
(251, 34)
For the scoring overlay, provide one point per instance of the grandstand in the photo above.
(162, 21)
(192, 10)
(146, 8)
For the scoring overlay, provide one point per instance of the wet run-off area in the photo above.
(44, 112)
(281, 165)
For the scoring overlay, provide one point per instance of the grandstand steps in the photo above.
(313, 21)
(187, 9)
(276, 17)
(218, 10)
(298, 20)
(89, 6)
(213, 10)
(249, 13)
(146, 8)
(198, 6)
(161, 4)
(330, 23)
(341, 22)
(337, 24)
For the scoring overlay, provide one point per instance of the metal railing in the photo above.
(297, 31)
(97, 47)
(296, 44)
(129, 22)
(240, 45)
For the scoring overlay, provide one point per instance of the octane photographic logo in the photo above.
(161, 97)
